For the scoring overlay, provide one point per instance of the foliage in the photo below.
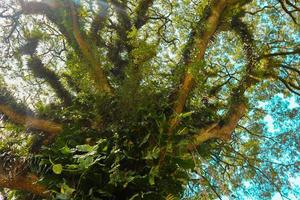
(149, 99)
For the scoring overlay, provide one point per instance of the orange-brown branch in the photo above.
(51, 128)
(96, 71)
(210, 25)
(26, 183)
(220, 131)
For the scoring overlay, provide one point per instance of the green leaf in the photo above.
(65, 189)
(72, 166)
(152, 154)
(86, 162)
(183, 131)
(153, 173)
(65, 150)
(57, 168)
(134, 196)
(185, 115)
(146, 138)
(84, 148)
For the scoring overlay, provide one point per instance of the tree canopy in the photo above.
(149, 99)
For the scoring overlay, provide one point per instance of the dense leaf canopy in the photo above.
(149, 99)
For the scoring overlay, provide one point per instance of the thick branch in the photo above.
(201, 42)
(238, 106)
(51, 128)
(40, 71)
(99, 20)
(210, 25)
(219, 130)
(96, 70)
(141, 11)
(48, 9)
(26, 183)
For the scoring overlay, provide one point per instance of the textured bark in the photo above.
(41, 71)
(220, 131)
(51, 128)
(142, 10)
(96, 71)
(210, 25)
(26, 183)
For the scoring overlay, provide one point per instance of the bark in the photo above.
(50, 128)
(96, 71)
(210, 25)
(219, 130)
(26, 183)
(39, 70)
(142, 10)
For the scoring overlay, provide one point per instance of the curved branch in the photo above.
(76, 38)
(238, 108)
(288, 86)
(210, 23)
(21, 115)
(287, 11)
(48, 9)
(220, 130)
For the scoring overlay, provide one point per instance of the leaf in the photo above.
(57, 168)
(170, 197)
(65, 189)
(86, 162)
(183, 131)
(146, 138)
(65, 150)
(153, 173)
(185, 163)
(134, 196)
(152, 154)
(72, 166)
(84, 148)
(185, 115)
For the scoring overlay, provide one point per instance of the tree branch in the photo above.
(201, 43)
(141, 11)
(219, 130)
(99, 20)
(295, 52)
(210, 25)
(26, 183)
(96, 71)
(23, 116)
(51, 128)
(287, 11)
(40, 71)
(223, 130)
(48, 9)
